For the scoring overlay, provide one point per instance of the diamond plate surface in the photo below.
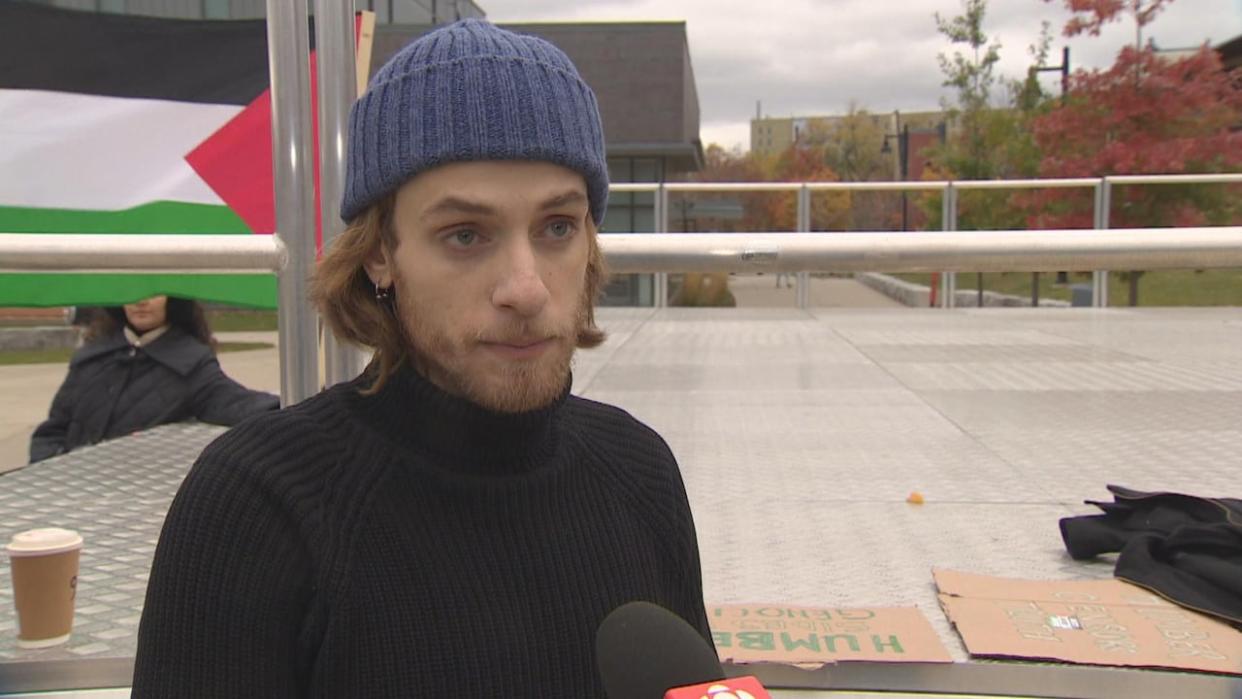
(1071, 465)
(1136, 413)
(757, 549)
(115, 495)
(1058, 376)
(800, 435)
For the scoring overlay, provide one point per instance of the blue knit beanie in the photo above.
(471, 91)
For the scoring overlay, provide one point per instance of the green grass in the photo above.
(61, 355)
(237, 320)
(29, 322)
(220, 320)
(1215, 287)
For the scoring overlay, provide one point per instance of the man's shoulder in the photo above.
(298, 435)
(616, 430)
(593, 415)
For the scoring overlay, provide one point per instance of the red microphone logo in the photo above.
(736, 688)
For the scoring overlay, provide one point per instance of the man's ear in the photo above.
(379, 266)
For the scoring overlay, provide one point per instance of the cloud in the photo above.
(806, 57)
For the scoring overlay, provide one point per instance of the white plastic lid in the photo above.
(40, 542)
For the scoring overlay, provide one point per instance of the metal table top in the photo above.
(800, 435)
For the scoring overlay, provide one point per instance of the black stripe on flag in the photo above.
(207, 61)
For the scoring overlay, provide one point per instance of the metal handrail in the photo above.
(969, 251)
(982, 251)
(102, 253)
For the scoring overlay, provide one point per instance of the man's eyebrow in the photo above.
(455, 205)
(571, 197)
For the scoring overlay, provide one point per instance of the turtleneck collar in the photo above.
(461, 436)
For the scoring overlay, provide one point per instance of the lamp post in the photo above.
(903, 161)
(1064, 69)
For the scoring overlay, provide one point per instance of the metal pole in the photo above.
(660, 281)
(948, 280)
(804, 226)
(288, 57)
(1099, 278)
(336, 80)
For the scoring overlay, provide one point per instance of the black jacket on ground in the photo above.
(413, 544)
(1187, 549)
(114, 389)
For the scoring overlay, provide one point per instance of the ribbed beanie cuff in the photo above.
(471, 91)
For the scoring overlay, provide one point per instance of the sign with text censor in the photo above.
(771, 633)
(1096, 622)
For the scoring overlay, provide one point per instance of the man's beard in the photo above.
(502, 386)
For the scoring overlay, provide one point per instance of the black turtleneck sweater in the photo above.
(411, 543)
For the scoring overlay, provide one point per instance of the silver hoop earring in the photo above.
(383, 294)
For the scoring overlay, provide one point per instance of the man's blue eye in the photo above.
(464, 238)
(560, 229)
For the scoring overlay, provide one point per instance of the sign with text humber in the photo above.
(758, 633)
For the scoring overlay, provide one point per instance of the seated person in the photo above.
(146, 364)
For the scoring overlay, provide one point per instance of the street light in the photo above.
(903, 162)
(1064, 70)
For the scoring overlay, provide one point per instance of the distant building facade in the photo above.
(774, 135)
(386, 11)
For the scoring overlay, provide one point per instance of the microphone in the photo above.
(646, 652)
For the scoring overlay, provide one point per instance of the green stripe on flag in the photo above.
(156, 217)
(46, 290)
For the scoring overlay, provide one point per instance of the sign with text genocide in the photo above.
(1096, 622)
(772, 633)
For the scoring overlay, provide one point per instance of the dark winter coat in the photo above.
(114, 389)
(1185, 548)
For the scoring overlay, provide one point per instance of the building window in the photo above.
(216, 9)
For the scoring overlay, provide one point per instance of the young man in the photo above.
(453, 523)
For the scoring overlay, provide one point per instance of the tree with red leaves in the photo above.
(1147, 114)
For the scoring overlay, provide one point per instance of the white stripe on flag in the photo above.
(70, 151)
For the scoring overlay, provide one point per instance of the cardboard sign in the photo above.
(770, 633)
(1096, 622)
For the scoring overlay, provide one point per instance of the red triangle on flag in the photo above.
(236, 162)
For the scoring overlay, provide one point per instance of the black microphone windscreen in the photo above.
(643, 650)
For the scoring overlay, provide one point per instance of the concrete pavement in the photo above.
(761, 291)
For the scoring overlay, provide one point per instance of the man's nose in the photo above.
(521, 288)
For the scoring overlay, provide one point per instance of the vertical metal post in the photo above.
(804, 226)
(948, 214)
(1103, 205)
(288, 58)
(661, 221)
(337, 87)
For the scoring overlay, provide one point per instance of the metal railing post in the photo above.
(293, 171)
(804, 226)
(660, 280)
(948, 213)
(1099, 278)
(337, 87)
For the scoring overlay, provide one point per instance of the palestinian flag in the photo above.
(123, 124)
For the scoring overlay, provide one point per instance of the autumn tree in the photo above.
(1146, 114)
(988, 142)
(807, 162)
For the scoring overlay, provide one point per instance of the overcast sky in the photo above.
(811, 57)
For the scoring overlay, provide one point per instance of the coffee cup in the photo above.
(44, 569)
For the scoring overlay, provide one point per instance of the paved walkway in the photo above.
(761, 291)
